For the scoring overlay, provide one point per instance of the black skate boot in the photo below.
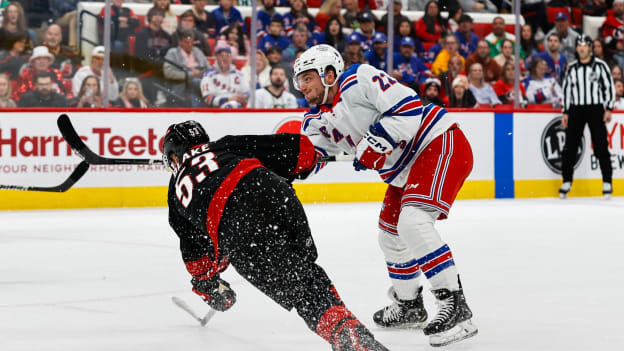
(402, 313)
(353, 336)
(452, 323)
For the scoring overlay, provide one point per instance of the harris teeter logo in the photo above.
(553, 140)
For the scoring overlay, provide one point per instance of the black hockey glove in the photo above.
(216, 292)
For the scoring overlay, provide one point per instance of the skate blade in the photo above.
(415, 325)
(607, 196)
(461, 331)
(563, 196)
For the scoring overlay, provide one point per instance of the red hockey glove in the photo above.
(372, 150)
(216, 292)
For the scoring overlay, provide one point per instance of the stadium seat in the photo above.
(240, 63)
(577, 17)
(551, 12)
(131, 44)
(314, 4)
(211, 43)
(428, 45)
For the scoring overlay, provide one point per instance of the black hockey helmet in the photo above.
(180, 137)
(584, 39)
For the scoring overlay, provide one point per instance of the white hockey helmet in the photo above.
(319, 57)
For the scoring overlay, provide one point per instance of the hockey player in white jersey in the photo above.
(423, 156)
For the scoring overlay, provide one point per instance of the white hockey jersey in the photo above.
(367, 96)
(545, 91)
(266, 99)
(217, 86)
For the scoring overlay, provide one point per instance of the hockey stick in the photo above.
(80, 170)
(183, 305)
(73, 139)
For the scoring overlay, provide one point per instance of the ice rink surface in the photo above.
(538, 274)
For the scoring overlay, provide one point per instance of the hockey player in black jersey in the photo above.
(230, 202)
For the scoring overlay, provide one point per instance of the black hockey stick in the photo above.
(73, 139)
(80, 170)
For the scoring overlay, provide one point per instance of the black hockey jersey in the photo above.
(210, 173)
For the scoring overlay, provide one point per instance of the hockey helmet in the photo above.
(179, 138)
(319, 58)
(585, 39)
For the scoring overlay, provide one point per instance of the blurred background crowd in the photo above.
(197, 53)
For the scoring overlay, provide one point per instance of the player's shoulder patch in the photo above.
(348, 78)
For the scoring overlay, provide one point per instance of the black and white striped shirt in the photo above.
(588, 84)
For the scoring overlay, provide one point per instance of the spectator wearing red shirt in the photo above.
(504, 87)
(491, 69)
(613, 32)
(40, 62)
(430, 27)
(65, 59)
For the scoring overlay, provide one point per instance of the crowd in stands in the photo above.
(201, 58)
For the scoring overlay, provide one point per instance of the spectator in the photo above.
(298, 14)
(430, 27)
(595, 8)
(333, 35)
(450, 49)
(185, 66)
(455, 68)
(263, 71)
(329, 8)
(13, 54)
(204, 21)
(619, 94)
(14, 21)
(275, 36)
(299, 41)
(408, 69)
(599, 52)
(187, 22)
(274, 56)
(170, 20)
(507, 53)
(65, 59)
(275, 95)
(64, 11)
(377, 56)
(616, 72)
(460, 96)
(435, 50)
(495, 39)
(485, 6)
(432, 92)
(152, 41)
(89, 95)
(534, 13)
(42, 96)
(224, 86)
(566, 34)
(352, 10)
(397, 16)
(131, 95)
(40, 62)
(95, 69)
(455, 13)
(266, 14)
(541, 89)
(504, 87)
(366, 31)
(234, 37)
(353, 52)
(405, 28)
(123, 24)
(492, 70)
(5, 92)
(613, 32)
(466, 38)
(226, 14)
(528, 44)
(482, 90)
(554, 59)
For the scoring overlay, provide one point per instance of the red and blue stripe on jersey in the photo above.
(431, 115)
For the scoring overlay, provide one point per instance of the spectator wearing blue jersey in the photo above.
(332, 35)
(409, 69)
(406, 29)
(298, 14)
(275, 36)
(467, 39)
(353, 52)
(226, 14)
(555, 60)
(266, 14)
(366, 31)
(377, 56)
(435, 50)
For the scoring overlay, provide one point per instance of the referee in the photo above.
(588, 98)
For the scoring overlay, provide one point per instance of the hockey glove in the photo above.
(216, 292)
(372, 150)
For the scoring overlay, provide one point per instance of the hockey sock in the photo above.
(402, 267)
(432, 255)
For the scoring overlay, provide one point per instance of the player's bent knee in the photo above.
(416, 218)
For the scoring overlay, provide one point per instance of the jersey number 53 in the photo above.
(184, 186)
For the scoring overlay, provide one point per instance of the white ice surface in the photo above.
(539, 275)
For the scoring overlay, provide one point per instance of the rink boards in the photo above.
(516, 155)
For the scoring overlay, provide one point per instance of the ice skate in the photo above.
(402, 313)
(453, 321)
(353, 336)
(607, 189)
(564, 190)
